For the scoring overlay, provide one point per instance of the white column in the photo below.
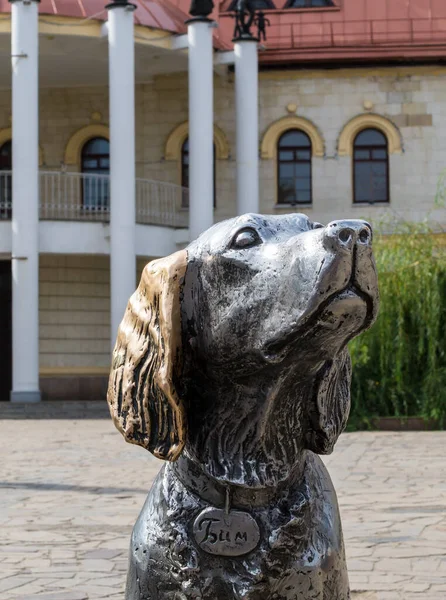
(201, 127)
(247, 124)
(25, 198)
(122, 159)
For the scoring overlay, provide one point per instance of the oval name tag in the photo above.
(226, 534)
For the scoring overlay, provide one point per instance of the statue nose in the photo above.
(345, 234)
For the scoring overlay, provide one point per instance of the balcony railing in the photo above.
(86, 197)
(305, 34)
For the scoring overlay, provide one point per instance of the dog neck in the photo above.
(249, 433)
(226, 495)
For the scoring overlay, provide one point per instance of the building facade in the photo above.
(351, 116)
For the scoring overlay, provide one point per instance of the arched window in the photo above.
(185, 166)
(6, 180)
(294, 168)
(185, 174)
(95, 167)
(370, 167)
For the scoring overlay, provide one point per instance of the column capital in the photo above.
(198, 20)
(245, 37)
(120, 4)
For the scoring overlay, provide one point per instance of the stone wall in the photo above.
(413, 99)
(415, 103)
(74, 290)
(74, 309)
(74, 314)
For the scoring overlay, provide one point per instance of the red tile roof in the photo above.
(168, 15)
(164, 13)
(159, 14)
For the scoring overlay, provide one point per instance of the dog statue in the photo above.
(231, 364)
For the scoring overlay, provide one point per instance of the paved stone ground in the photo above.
(70, 491)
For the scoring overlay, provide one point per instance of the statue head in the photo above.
(260, 303)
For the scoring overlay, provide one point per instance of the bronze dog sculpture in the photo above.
(231, 364)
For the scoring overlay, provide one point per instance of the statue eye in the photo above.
(246, 238)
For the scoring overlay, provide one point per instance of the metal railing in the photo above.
(161, 203)
(74, 196)
(366, 32)
(68, 196)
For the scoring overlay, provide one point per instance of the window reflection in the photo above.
(294, 168)
(95, 160)
(371, 167)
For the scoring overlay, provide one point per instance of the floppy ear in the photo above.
(147, 361)
(330, 405)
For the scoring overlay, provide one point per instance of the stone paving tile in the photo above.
(70, 491)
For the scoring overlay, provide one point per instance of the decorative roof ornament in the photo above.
(261, 21)
(246, 16)
(201, 8)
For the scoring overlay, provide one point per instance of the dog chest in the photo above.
(226, 533)
(266, 554)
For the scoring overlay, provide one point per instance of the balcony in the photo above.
(321, 36)
(85, 197)
(366, 33)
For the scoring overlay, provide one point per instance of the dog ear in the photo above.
(147, 361)
(330, 405)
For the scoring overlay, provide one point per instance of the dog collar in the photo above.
(229, 525)
(226, 495)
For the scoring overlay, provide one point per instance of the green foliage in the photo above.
(399, 365)
(440, 195)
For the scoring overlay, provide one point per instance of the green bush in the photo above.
(399, 365)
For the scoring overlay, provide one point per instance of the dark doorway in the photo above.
(5, 329)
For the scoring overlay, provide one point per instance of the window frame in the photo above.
(278, 163)
(308, 5)
(6, 211)
(6, 143)
(182, 171)
(233, 6)
(96, 156)
(355, 161)
(99, 205)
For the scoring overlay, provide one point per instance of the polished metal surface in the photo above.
(226, 532)
(232, 364)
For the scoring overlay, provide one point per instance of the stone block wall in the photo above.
(74, 308)
(412, 98)
(74, 314)
(74, 290)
